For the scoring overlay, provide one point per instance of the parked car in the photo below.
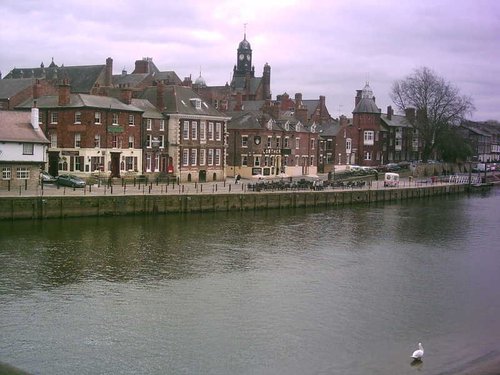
(47, 178)
(70, 180)
(392, 167)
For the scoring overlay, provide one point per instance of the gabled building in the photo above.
(196, 133)
(401, 142)
(89, 133)
(23, 149)
(484, 138)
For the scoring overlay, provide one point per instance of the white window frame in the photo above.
(78, 117)
(368, 137)
(348, 145)
(297, 143)
(131, 120)
(244, 141)
(22, 173)
(203, 154)
(203, 131)
(194, 130)
(97, 118)
(162, 124)
(28, 148)
(185, 157)
(210, 156)
(210, 134)
(218, 131)
(53, 140)
(6, 173)
(185, 130)
(97, 141)
(115, 119)
(131, 141)
(78, 140)
(193, 157)
(54, 117)
(217, 160)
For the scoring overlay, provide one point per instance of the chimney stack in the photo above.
(358, 98)
(34, 117)
(64, 93)
(298, 100)
(160, 95)
(389, 112)
(410, 114)
(37, 89)
(108, 78)
(126, 95)
(239, 102)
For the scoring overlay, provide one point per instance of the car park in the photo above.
(70, 180)
(47, 178)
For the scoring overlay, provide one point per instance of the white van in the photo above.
(391, 180)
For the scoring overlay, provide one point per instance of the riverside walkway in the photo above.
(219, 187)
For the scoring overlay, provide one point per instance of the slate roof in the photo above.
(150, 111)
(10, 87)
(81, 78)
(15, 126)
(366, 105)
(129, 79)
(328, 129)
(177, 99)
(81, 101)
(244, 120)
(170, 77)
(396, 121)
(238, 83)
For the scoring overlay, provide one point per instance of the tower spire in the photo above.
(244, 31)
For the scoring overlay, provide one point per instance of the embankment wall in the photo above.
(46, 207)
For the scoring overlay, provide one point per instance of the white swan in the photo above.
(419, 353)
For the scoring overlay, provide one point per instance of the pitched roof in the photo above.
(238, 83)
(246, 120)
(10, 87)
(150, 111)
(396, 121)
(182, 100)
(81, 78)
(81, 101)
(366, 105)
(15, 126)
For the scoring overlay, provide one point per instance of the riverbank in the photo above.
(109, 201)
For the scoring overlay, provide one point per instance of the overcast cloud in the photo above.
(328, 48)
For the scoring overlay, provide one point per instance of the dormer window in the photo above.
(196, 102)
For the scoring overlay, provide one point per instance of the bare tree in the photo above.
(438, 105)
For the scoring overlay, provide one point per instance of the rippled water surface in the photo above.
(332, 291)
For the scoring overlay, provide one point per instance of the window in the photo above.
(368, 155)
(185, 130)
(97, 117)
(278, 142)
(244, 160)
(312, 143)
(210, 158)
(131, 120)
(244, 141)
(269, 140)
(53, 140)
(97, 141)
(285, 142)
(162, 141)
(78, 117)
(40, 117)
(78, 140)
(148, 162)
(28, 148)
(148, 140)
(218, 131)
(6, 173)
(203, 154)
(185, 157)
(130, 163)
(297, 143)
(256, 161)
(203, 131)
(194, 157)
(368, 137)
(115, 118)
(157, 162)
(217, 156)
(348, 145)
(194, 130)
(96, 163)
(114, 141)
(311, 160)
(162, 124)
(131, 141)
(53, 117)
(210, 134)
(267, 161)
(149, 124)
(23, 173)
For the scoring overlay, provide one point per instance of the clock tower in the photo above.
(243, 59)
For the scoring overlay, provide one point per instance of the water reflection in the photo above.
(343, 291)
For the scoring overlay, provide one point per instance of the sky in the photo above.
(322, 47)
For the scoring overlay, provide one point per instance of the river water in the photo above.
(347, 290)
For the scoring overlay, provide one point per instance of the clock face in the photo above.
(242, 56)
(248, 57)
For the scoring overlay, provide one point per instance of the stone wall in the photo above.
(12, 208)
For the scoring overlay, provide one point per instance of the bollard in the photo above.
(216, 187)
(183, 188)
(229, 187)
(124, 188)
